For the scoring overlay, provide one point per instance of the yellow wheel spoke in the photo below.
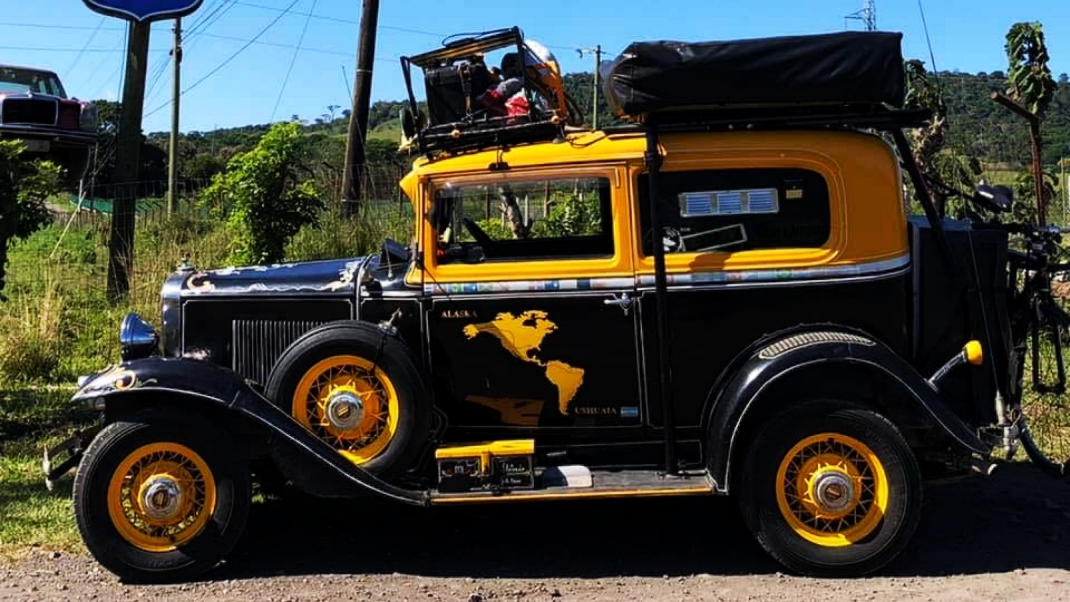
(356, 377)
(847, 467)
(173, 463)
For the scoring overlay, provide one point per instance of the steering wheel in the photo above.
(484, 240)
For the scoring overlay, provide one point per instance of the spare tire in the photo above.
(360, 390)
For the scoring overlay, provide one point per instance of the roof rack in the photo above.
(466, 110)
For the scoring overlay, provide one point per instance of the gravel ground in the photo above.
(1002, 538)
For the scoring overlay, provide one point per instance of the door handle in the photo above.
(624, 301)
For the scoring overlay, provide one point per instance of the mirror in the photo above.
(994, 198)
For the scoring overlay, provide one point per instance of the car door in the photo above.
(531, 321)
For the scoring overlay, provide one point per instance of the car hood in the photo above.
(40, 96)
(309, 277)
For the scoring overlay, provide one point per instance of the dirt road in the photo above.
(1005, 538)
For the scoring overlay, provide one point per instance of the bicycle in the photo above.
(1039, 422)
(1042, 419)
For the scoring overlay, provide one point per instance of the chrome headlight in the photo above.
(137, 338)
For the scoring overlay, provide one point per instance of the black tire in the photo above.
(386, 353)
(107, 453)
(879, 536)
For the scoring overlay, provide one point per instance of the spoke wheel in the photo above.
(359, 390)
(1045, 417)
(833, 490)
(830, 489)
(349, 403)
(161, 495)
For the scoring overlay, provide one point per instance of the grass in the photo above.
(31, 516)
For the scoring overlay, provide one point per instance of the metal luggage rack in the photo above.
(477, 129)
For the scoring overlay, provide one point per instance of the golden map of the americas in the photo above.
(522, 336)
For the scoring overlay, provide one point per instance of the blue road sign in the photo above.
(144, 10)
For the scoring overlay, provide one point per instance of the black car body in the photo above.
(796, 340)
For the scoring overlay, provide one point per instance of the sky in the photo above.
(261, 61)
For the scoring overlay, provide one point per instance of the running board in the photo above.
(583, 484)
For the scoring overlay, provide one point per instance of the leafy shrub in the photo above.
(262, 196)
(24, 186)
(495, 227)
(571, 215)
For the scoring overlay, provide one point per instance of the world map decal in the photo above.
(522, 336)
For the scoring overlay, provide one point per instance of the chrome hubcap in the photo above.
(833, 491)
(162, 498)
(345, 411)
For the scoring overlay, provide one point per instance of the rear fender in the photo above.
(788, 355)
(135, 382)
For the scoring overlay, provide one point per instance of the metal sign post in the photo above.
(140, 14)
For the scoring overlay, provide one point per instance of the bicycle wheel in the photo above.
(1045, 419)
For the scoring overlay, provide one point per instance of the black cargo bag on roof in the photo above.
(453, 91)
(845, 68)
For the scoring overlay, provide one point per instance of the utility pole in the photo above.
(172, 168)
(597, 51)
(358, 118)
(868, 15)
(127, 161)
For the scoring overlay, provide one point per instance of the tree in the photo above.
(24, 186)
(1032, 87)
(264, 197)
(922, 93)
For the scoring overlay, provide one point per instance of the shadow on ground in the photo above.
(1016, 519)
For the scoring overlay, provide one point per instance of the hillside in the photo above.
(977, 127)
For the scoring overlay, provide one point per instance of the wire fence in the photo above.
(75, 247)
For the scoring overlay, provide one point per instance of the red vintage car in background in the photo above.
(35, 108)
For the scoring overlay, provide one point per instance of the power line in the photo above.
(293, 60)
(204, 18)
(54, 26)
(286, 46)
(209, 20)
(227, 61)
(87, 43)
(51, 49)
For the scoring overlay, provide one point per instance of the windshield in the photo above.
(17, 79)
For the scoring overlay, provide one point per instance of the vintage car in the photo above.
(35, 108)
(725, 296)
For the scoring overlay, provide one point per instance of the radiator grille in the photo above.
(259, 343)
(29, 111)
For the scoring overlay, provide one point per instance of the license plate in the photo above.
(37, 146)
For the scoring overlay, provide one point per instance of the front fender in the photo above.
(194, 379)
(797, 351)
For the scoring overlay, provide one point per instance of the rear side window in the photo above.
(731, 210)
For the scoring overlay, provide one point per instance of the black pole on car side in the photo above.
(652, 160)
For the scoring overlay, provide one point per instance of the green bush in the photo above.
(570, 215)
(24, 186)
(262, 196)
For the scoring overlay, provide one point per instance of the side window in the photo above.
(523, 219)
(737, 210)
